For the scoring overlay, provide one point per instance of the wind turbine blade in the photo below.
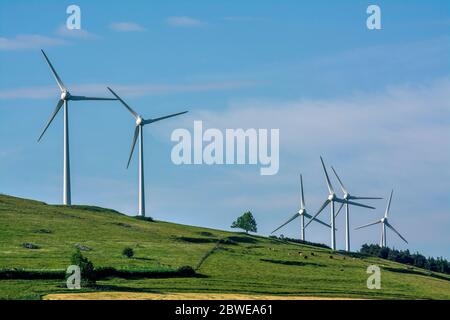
(57, 78)
(302, 199)
(398, 233)
(165, 117)
(339, 210)
(368, 225)
(318, 212)
(135, 115)
(359, 205)
(330, 187)
(386, 213)
(293, 218)
(83, 98)
(339, 180)
(365, 198)
(136, 133)
(53, 115)
(317, 220)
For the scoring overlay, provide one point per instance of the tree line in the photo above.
(405, 256)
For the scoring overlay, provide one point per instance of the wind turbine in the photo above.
(302, 214)
(332, 199)
(348, 197)
(140, 123)
(64, 100)
(384, 223)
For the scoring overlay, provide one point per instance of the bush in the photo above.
(128, 252)
(86, 268)
(31, 246)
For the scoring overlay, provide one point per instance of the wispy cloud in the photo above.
(184, 21)
(127, 27)
(63, 31)
(138, 90)
(29, 41)
(241, 18)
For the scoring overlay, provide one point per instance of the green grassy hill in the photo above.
(240, 264)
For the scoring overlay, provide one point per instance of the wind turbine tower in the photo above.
(64, 101)
(332, 199)
(302, 213)
(140, 123)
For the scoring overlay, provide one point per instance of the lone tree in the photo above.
(246, 222)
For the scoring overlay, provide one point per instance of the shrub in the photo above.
(28, 245)
(86, 268)
(128, 252)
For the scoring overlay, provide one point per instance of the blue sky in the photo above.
(375, 104)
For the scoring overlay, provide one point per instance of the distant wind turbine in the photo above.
(384, 223)
(332, 198)
(302, 214)
(140, 123)
(348, 197)
(64, 100)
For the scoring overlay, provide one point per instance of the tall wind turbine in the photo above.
(332, 199)
(64, 100)
(140, 123)
(302, 214)
(384, 223)
(348, 197)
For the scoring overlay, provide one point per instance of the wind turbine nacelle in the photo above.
(331, 197)
(65, 95)
(139, 121)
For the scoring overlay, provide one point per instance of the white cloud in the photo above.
(139, 90)
(127, 27)
(63, 31)
(183, 22)
(29, 41)
(241, 19)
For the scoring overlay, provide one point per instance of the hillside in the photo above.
(241, 264)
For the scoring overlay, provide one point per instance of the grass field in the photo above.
(239, 265)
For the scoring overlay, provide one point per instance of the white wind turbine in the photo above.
(384, 223)
(64, 100)
(348, 197)
(302, 214)
(332, 198)
(140, 123)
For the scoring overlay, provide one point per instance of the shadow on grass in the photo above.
(143, 259)
(115, 288)
(292, 263)
(415, 272)
(197, 240)
(102, 273)
(242, 239)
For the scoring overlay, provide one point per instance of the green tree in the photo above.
(246, 222)
(86, 268)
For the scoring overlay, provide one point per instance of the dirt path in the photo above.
(175, 296)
